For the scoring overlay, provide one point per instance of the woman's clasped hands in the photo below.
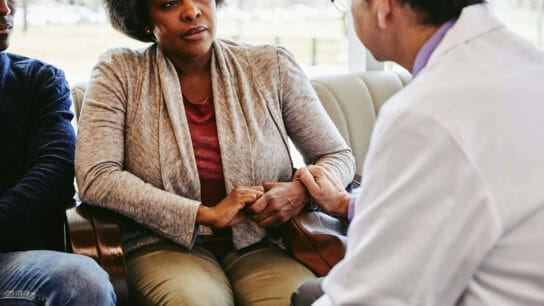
(231, 210)
(269, 205)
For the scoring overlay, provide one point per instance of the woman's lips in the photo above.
(195, 33)
(5, 28)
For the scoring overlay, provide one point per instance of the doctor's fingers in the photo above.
(314, 185)
(324, 174)
(309, 182)
(331, 177)
(316, 170)
(300, 170)
(319, 174)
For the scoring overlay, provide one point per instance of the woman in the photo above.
(181, 137)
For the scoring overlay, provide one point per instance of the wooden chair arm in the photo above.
(92, 231)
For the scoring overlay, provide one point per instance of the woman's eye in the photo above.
(169, 4)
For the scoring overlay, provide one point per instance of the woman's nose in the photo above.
(190, 12)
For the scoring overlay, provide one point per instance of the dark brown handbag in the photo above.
(316, 239)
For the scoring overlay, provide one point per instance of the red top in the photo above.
(201, 119)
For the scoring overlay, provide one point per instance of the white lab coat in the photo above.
(452, 211)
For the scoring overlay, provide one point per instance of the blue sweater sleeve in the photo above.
(46, 182)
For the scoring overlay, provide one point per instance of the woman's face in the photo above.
(183, 28)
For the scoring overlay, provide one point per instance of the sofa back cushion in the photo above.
(353, 102)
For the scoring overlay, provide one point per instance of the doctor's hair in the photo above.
(436, 12)
(131, 17)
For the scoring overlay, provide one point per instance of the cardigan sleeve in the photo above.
(47, 183)
(100, 172)
(308, 125)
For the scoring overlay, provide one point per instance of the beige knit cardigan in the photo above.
(134, 153)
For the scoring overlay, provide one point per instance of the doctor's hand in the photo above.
(229, 211)
(325, 189)
(279, 203)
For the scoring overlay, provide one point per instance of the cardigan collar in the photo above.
(232, 132)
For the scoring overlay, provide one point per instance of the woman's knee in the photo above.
(169, 275)
(265, 276)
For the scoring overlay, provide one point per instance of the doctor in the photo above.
(452, 211)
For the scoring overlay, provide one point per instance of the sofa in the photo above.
(351, 100)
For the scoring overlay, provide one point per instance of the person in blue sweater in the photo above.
(37, 143)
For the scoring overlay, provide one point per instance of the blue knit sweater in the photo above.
(37, 143)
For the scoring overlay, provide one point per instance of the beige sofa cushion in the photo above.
(353, 102)
(77, 93)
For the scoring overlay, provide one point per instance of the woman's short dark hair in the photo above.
(436, 12)
(132, 17)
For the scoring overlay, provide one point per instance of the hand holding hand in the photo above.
(325, 189)
(280, 202)
(229, 212)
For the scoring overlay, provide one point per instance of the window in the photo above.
(72, 36)
(314, 31)
(525, 17)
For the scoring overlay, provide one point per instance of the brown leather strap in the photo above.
(81, 232)
(94, 233)
(111, 255)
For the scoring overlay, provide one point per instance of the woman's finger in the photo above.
(258, 206)
(257, 188)
(248, 198)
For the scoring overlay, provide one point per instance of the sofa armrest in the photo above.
(92, 231)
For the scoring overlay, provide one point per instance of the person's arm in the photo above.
(308, 124)
(313, 134)
(423, 223)
(47, 183)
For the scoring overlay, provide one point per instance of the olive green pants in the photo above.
(168, 274)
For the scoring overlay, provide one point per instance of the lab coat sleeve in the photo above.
(423, 223)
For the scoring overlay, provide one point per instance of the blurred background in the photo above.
(71, 34)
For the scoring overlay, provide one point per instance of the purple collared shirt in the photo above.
(420, 62)
(428, 48)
